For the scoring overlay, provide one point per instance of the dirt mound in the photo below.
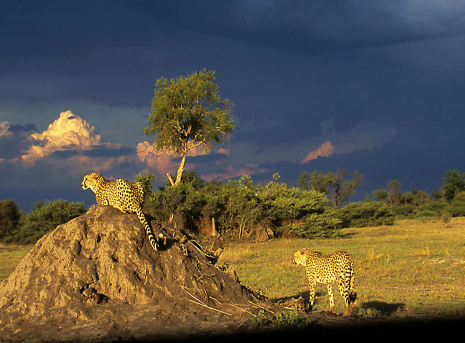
(97, 278)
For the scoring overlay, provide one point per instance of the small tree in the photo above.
(276, 177)
(188, 113)
(393, 192)
(380, 195)
(452, 183)
(343, 187)
(338, 186)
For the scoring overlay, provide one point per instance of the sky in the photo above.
(373, 86)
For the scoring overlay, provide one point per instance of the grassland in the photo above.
(411, 269)
(10, 256)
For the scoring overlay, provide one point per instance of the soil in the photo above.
(97, 279)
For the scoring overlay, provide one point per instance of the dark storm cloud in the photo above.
(383, 81)
(314, 26)
(108, 152)
(22, 128)
(119, 39)
(64, 153)
(12, 139)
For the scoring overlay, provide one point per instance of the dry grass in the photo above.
(10, 256)
(411, 269)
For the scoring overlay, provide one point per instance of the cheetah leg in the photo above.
(312, 289)
(344, 290)
(119, 207)
(353, 294)
(332, 307)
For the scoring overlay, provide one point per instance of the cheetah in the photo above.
(326, 269)
(123, 195)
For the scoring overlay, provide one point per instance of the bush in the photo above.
(456, 208)
(404, 211)
(304, 213)
(435, 206)
(363, 214)
(239, 205)
(425, 214)
(46, 217)
(10, 217)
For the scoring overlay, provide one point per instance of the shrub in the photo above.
(456, 208)
(426, 214)
(239, 205)
(404, 211)
(435, 205)
(362, 214)
(10, 217)
(46, 217)
(304, 213)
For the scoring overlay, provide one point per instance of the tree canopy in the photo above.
(453, 183)
(187, 112)
(337, 185)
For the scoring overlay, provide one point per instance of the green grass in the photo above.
(411, 269)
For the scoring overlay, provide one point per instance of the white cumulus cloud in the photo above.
(68, 133)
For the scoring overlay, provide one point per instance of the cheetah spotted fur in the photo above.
(327, 269)
(121, 194)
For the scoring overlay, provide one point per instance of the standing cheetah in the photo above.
(326, 269)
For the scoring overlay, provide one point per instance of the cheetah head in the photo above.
(299, 258)
(91, 180)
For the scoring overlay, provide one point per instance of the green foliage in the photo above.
(240, 205)
(290, 320)
(286, 320)
(10, 217)
(380, 194)
(457, 206)
(147, 182)
(445, 203)
(452, 183)
(368, 213)
(338, 186)
(182, 201)
(188, 112)
(46, 217)
(393, 192)
(259, 319)
(304, 213)
(425, 214)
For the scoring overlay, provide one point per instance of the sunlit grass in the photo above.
(412, 268)
(10, 256)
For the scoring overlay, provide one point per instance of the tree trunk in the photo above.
(179, 173)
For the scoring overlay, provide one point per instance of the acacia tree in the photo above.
(452, 183)
(393, 192)
(187, 112)
(337, 186)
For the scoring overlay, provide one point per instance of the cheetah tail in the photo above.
(150, 235)
(353, 296)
